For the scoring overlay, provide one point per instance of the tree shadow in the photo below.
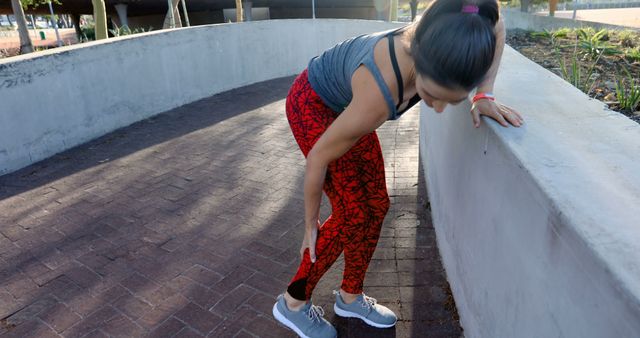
(126, 238)
(193, 225)
(149, 132)
(433, 308)
(93, 166)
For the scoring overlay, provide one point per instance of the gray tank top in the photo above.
(330, 73)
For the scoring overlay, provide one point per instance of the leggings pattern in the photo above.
(356, 187)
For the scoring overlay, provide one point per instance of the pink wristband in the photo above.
(480, 96)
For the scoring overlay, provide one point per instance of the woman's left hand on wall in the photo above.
(503, 114)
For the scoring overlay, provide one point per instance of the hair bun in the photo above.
(454, 46)
(489, 9)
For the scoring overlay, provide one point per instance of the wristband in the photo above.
(481, 96)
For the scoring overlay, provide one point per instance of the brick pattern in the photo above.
(188, 224)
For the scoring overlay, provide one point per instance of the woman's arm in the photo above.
(499, 112)
(366, 112)
(487, 85)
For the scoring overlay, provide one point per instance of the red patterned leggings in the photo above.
(356, 187)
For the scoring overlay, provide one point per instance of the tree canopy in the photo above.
(35, 3)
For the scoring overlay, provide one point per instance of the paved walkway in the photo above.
(188, 224)
(614, 16)
(67, 35)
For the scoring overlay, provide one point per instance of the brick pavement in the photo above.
(188, 224)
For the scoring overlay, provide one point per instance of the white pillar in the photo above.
(382, 9)
(55, 24)
(172, 18)
(246, 10)
(186, 14)
(35, 28)
(122, 14)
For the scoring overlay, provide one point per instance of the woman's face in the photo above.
(436, 96)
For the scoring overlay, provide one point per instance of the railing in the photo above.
(602, 4)
(516, 19)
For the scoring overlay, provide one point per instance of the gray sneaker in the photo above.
(367, 309)
(307, 323)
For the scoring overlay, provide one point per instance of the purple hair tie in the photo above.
(473, 9)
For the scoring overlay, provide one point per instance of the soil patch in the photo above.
(603, 62)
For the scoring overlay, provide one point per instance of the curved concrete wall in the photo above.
(57, 99)
(538, 227)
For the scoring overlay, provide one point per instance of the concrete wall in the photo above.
(323, 12)
(538, 226)
(516, 19)
(57, 99)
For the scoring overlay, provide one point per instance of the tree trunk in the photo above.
(524, 6)
(100, 18)
(393, 11)
(111, 26)
(553, 5)
(238, 10)
(414, 10)
(75, 19)
(63, 19)
(176, 16)
(26, 46)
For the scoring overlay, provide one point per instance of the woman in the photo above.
(334, 108)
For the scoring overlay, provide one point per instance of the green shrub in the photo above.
(120, 31)
(627, 38)
(628, 96)
(551, 34)
(594, 43)
(574, 72)
(88, 33)
(545, 34)
(125, 30)
(562, 33)
(632, 54)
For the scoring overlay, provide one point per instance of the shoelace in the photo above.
(315, 313)
(368, 302)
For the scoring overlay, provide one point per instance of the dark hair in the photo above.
(453, 48)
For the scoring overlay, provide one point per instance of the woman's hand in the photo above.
(496, 111)
(309, 241)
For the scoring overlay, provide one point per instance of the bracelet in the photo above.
(480, 96)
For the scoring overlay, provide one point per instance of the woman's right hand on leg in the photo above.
(310, 237)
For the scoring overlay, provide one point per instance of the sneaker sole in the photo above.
(347, 314)
(287, 323)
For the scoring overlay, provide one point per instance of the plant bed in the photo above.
(604, 64)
